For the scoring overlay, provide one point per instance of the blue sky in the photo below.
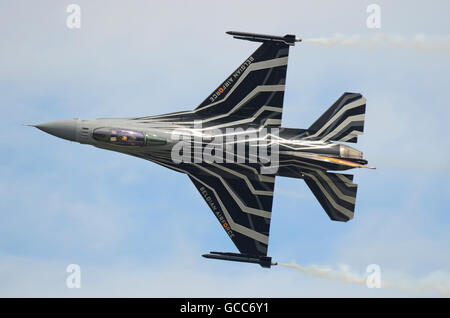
(138, 229)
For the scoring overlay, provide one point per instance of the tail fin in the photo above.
(335, 192)
(343, 121)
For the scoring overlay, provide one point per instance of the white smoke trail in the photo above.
(434, 283)
(418, 42)
(342, 274)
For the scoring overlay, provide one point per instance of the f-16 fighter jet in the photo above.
(233, 146)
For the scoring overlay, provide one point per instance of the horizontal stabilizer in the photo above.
(343, 121)
(335, 192)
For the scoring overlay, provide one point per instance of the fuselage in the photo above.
(287, 152)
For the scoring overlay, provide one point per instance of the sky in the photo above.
(137, 229)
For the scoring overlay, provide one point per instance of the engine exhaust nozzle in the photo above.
(349, 152)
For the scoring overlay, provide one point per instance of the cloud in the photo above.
(28, 277)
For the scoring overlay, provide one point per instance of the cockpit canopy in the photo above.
(121, 137)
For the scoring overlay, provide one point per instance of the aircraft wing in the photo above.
(241, 199)
(253, 93)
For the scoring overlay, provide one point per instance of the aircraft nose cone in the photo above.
(66, 129)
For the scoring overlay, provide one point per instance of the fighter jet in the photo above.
(233, 146)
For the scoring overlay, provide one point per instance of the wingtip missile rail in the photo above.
(263, 261)
(288, 39)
